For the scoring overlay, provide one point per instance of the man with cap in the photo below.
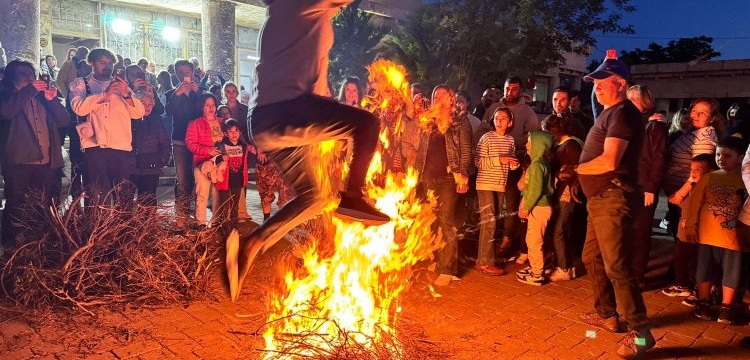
(607, 171)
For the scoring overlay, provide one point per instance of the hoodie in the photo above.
(539, 174)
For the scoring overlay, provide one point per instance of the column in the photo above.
(218, 32)
(19, 29)
(45, 30)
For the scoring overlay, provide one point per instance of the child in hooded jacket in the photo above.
(536, 205)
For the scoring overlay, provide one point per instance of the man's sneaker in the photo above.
(676, 291)
(524, 271)
(443, 280)
(561, 274)
(593, 318)
(691, 300)
(636, 343)
(727, 315)
(355, 208)
(664, 224)
(531, 279)
(703, 311)
(522, 259)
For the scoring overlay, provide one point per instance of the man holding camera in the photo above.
(30, 117)
(106, 140)
(608, 168)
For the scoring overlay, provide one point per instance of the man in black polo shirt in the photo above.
(608, 167)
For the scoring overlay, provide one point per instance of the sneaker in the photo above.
(611, 323)
(664, 224)
(691, 300)
(522, 259)
(676, 291)
(531, 279)
(726, 315)
(443, 280)
(636, 343)
(355, 208)
(703, 311)
(490, 270)
(561, 274)
(524, 271)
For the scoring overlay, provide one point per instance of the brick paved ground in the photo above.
(478, 317)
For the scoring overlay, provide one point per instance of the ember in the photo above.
(344, 301)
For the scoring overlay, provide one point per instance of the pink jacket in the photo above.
(198, 140)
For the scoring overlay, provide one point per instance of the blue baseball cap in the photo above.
(610, 66)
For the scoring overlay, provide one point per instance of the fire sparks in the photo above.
(343, 299)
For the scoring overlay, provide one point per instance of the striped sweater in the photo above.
(682, 151)
(492, 174)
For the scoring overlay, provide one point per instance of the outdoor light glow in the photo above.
(122, 27)
(170, 34)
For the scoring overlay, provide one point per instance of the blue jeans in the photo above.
(445, 191)
(607, 257)
(184, 188)
(563, 234)
(490, 206)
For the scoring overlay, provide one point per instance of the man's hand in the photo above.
(39, 85)
(50, 93)
(185, 88)
(648, 199)
(140, 84)
(117, 87)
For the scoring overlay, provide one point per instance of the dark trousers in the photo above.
(562, 234)
(146, 186)
(228, 201)
(25, 185)
(606, 255)
(490, 208)
(106, 171)
(184, 188)
(445, 192)
(286, 132)
(471, 216)
(643, 223)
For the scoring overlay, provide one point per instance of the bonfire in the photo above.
(342, 299)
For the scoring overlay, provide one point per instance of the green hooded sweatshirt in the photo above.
(539, 174)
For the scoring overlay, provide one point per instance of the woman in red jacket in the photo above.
(203, 137)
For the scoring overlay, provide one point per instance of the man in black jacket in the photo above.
(31, 115)
(182, 106)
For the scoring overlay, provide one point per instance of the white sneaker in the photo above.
(561, 274)
(664, 224)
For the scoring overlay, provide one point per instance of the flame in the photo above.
(347, 291)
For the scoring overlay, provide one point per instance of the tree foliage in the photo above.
(461, 41)
(698, 48)
(356, 37)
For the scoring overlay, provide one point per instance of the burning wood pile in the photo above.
(342, 299)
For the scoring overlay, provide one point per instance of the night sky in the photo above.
(727, 21)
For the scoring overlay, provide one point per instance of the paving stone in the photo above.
(136, 349)
(719, 334)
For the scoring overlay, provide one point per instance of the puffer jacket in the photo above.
(457, 145)
(198, 140)
(151, 145)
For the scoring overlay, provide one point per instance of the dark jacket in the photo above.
(457, 145)
(20, 144)
(151, 145)
(183, 109)
(653, 159)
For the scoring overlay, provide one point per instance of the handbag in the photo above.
(85, 129)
